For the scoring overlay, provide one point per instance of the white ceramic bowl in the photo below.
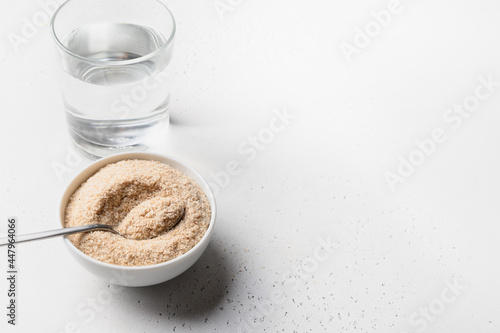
(143, 275)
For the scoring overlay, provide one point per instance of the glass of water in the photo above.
(114, 78)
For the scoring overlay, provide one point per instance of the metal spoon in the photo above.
(59, 232)
(71, 230)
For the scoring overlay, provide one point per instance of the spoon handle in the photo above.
(54, 233)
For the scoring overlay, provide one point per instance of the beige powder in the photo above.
(144, 199)
(151, 218)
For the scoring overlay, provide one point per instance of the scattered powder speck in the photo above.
(145, 199)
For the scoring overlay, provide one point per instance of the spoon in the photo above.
(58, 232)
(70, 231)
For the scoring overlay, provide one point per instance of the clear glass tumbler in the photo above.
(115, 86)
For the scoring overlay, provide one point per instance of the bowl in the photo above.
(139, 276)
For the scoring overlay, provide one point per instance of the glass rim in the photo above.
(59, 43)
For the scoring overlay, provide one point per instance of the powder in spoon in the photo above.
(144, 199)
(150, 218)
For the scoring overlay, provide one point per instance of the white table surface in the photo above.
(421, 258)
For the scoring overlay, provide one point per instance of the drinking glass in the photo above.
(114, 57)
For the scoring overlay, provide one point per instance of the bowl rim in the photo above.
(97, 165)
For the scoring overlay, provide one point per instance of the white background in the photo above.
(322, 178)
